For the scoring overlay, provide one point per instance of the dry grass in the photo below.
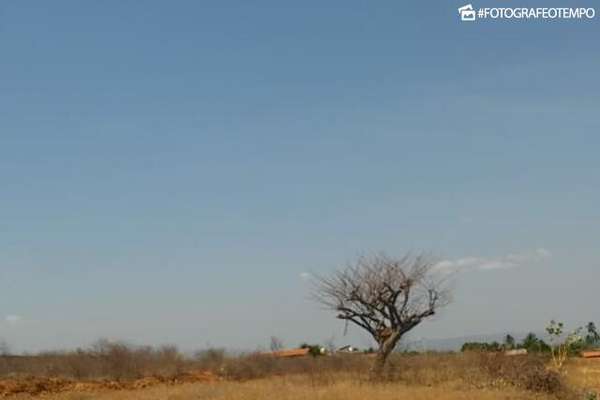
(584, 373)
(423, 376)
(301, 387)
(463, 371)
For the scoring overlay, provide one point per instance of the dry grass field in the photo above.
(303, 387)
(300, 388)
(423, 376)
(584, 373)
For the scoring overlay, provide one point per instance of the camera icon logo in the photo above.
(467, 13)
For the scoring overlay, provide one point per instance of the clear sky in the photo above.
(171, 171)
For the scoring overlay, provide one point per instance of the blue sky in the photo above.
(169, 171)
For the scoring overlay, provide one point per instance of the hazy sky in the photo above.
(171, 171)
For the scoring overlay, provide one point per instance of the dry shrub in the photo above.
(250, 366)
(211, 359)
(527, 372)
(319, 369)
(104, 360)
(121, 361)
(431, 369)
(5, 365)
(477, 370)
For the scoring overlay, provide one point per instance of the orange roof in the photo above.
(591, 354)
(291, 353)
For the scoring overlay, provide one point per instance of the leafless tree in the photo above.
(385, 296)
(276, 343)
(330, 345)
(4, 348)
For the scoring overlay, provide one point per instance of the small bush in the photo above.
(211, 359)
(529, 372)
(250, 366)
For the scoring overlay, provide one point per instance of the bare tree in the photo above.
(330, 345)
(276, 343)
(4, 348)
(386, 297)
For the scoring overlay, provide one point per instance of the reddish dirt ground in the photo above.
(40, 385)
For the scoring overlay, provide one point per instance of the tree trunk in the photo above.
(379, 364)
(385, 349)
